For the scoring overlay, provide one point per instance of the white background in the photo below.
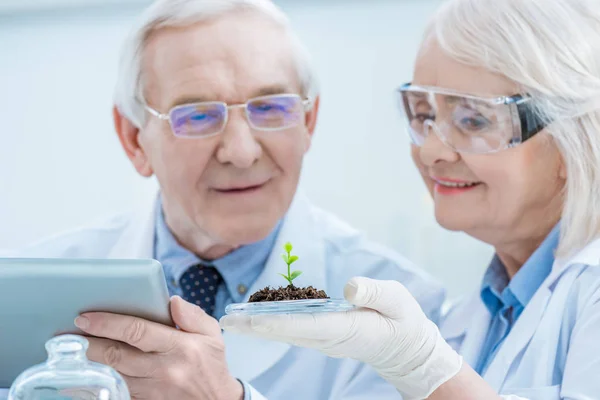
(61, 164)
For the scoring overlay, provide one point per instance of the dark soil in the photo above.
(287, 293)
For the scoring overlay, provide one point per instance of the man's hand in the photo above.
(160, 362)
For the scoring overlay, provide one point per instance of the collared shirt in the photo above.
(506, 300)
(239, 269)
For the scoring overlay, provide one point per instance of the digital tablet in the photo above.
(40, 298)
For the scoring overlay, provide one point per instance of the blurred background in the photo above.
(61, 164)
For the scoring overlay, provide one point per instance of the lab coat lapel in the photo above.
(515, 342)
(589, 255)
(471, 322)
(248, 357)
(137, 238)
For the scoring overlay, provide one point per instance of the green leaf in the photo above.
(288, 247)
(295, 274)
(287, 278)
(285, 258)
(292, 259)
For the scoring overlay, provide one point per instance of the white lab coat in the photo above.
(331, 253)
(553, 350)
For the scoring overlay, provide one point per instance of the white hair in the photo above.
(129, 90)
(551, 49)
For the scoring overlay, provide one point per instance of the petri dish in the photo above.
(290, 307)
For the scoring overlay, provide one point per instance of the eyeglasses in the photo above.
(466, 123)
(265, 113)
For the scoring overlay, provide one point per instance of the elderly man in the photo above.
(218, 101)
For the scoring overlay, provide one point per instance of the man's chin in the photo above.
(242, 235)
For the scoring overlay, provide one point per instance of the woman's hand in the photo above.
(388, 331)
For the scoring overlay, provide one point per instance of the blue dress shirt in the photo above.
(506, 300)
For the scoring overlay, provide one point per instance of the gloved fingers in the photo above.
(389, 298)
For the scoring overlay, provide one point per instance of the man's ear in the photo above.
(310, 121)
(311, 117)
(128, 136)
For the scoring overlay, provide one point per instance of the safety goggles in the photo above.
(265, 113)
(467, 123)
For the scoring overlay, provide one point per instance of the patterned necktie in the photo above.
(199, 285)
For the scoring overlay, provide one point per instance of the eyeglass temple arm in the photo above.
(155, 113)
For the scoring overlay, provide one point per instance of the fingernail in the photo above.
(82, 322)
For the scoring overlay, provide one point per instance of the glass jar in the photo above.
(67, 374)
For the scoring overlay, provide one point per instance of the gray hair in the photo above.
(551, 49)
(129, 90)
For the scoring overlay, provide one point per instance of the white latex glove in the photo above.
(388, 331)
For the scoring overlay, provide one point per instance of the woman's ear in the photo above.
(562, 170)
(128, 135)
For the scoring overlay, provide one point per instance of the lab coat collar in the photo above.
(460, 326)
(589, 255)
(137, 239)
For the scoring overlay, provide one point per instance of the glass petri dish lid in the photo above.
(289, 307)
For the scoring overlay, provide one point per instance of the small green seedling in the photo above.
(289, 259)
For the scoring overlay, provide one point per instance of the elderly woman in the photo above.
(504, 114)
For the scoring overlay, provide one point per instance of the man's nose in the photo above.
(238, 146)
